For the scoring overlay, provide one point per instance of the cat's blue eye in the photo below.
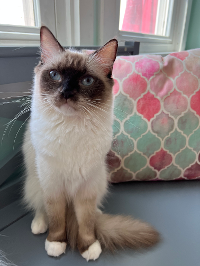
(54, 75)
(87, 81)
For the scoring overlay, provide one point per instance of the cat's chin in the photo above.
(67, 110)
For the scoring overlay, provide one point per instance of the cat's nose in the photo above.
(67, 91)
(67, 94)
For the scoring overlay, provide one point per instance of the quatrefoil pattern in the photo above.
(156, 129)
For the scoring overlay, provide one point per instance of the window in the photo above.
(160, 25)
(20, 21)
(22, 12)
(149, 16)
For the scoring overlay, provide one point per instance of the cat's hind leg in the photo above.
(34, 200)
(33, 197)
(39, 224)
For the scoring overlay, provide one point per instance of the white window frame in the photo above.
(60, 16)
(12, 35)
(94, 22)
(161, 44)
(164, 16)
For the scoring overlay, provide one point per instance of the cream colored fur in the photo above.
(64, 152)
(62, 155)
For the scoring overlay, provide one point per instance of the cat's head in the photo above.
(73, 82)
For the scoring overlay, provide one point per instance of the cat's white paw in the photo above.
(93, 251)
(54, 248)
(99, 211)
(39, 225)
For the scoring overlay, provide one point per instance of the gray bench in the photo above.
(172, 207)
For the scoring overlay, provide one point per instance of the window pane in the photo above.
(17, 12)
(145, 16)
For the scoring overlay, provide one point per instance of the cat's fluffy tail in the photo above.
(118, 231)
(115, 232)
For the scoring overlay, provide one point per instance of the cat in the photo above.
(65, 146)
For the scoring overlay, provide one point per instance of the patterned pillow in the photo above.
(157, 111)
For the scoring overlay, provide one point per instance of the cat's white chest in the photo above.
(69, 152)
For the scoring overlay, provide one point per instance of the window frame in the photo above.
(14, 35)
(70, 22)
(11, 35)
(161, 44)
(61, 16)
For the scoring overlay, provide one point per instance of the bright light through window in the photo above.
(17, 12)
(145, 16)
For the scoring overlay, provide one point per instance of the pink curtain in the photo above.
(140, 16)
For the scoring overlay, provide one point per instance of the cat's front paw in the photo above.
(99, 211)
(39, 225)
(93, 251)
(54, 248)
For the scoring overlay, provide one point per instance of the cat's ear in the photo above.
(106, 55)
(48, 44)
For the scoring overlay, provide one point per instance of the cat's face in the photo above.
(71, 82)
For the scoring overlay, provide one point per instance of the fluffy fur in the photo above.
(65, 146)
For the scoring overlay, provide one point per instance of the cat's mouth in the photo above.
(67, 107)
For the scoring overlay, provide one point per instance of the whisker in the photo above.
(25, 110)
(15, 101)
(95, 130)
(5, 92)
(100, 122)
(117, 109)
(19, 131)
(113, 114)
(4, 133)
(14, 123)
(114, 140)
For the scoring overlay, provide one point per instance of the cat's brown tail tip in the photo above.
(115, 232)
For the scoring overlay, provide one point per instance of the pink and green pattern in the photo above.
(157, 112)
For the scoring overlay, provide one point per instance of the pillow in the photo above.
(156, 118)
